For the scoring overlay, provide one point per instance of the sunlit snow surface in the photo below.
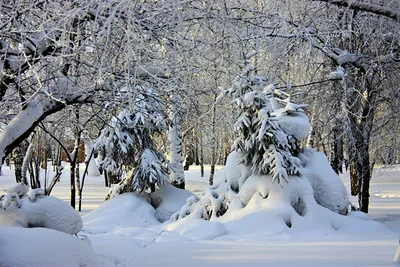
(122, 242)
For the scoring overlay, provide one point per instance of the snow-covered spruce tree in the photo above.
(128, 141)
(267, 170)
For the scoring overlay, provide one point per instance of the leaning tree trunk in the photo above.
(176, 149)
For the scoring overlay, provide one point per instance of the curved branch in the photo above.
(37, 109)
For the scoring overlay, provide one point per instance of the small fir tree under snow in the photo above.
(128, 140)
(267, 170)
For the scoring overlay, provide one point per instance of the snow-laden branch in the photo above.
(367, 7)
(37, 109)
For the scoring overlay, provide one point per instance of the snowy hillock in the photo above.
(122, 211)
(135, 210)
(43, 247)
(329, 191)
(167, 201)
(23, 208)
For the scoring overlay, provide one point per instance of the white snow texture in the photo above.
(36, 210)
(39, 247)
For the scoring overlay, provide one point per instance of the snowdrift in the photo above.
(132, 210)
(41, 247)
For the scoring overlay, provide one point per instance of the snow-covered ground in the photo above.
(129, 240)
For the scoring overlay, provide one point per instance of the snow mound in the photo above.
(168, 200)
(46, 211)
(329, 190)
(289, 210)
(197, 229)
(309, 205)
(43, 247)
(122, 211)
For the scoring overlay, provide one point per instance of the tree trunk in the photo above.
(78, 182)
(72, 184)
(196, 147)
(201, 156)
(18, 159)
(311, 135)
(213, 143)
(106, 182)
(337, 147)
(175, 138)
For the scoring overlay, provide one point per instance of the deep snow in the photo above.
(198, 242)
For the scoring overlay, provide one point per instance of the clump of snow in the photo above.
(43, 247)
(337, 74)
(122, 211)
(46, 211)
(329, 191)
(20, 189)
(295, 124)
(168, 200)
(92, 169)
(197, 229)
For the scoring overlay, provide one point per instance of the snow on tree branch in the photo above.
(367, 7)
(48, 100)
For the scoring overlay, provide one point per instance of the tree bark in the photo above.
(175, 138)
(213, 143)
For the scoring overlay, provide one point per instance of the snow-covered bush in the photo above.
(268, 172)
(30, 208)
(128, 141)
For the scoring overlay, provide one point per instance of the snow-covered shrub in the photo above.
(128, 141)
(268, 173)
(23, 208)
